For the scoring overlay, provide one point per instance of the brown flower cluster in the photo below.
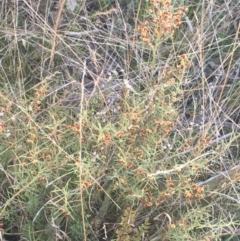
(163, 22)
(39, 95)
(196, 192)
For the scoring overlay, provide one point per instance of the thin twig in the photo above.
(178, 167)
(218, 176)
(80, 152)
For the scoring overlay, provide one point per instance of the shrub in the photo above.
(116, 124)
